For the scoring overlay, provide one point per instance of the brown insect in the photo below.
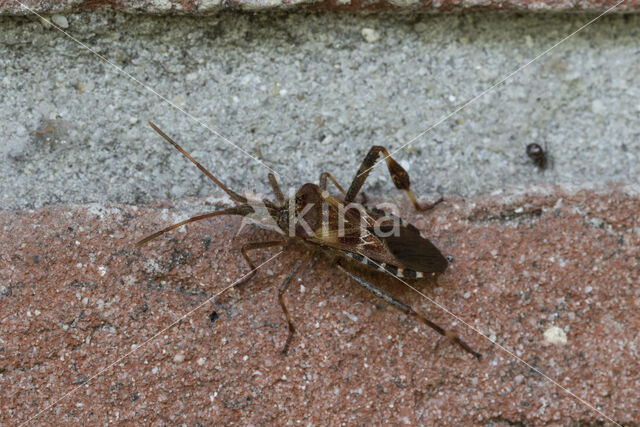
(347, 232)
(538, 155)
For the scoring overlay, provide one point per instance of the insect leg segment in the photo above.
(323, 182)
(323, 186)
(408, 310)
(281, 291)
(425, 207)
(399, 176)
(253, 246)
(240, 210)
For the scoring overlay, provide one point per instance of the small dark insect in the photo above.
(213, 316)
(538, 155)
(346, 232)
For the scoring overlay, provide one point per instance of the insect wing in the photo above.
(413, 251)
(380, 236)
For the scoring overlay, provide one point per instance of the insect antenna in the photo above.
(238, 199)
(239, 210)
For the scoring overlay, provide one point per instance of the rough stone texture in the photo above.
(307, 94)
(199, 7)
(529, 268)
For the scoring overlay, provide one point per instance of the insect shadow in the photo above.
(346, 232)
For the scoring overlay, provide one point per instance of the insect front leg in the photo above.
(276, 188)
(323, 185)
(399, 176)
(323, 182)
(281, 291)
(408, 310)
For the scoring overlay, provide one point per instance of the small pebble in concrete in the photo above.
(60, 21)
(598, 107)
(370, 35)
(555, 335)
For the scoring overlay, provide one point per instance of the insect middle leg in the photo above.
(281, 291)
(399, 176)
(253, 246)
(408, 310)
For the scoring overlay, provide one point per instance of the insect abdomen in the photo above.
(406, 273)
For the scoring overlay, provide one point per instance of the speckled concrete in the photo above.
(553, 276)
(311, 93)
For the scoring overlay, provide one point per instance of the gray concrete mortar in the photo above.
(308, 93)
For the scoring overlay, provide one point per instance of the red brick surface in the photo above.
(197, 7)
(76, 297)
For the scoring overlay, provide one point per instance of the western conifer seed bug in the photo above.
(345, 231)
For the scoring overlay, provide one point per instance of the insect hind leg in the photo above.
(408, 310)
(399, 176)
